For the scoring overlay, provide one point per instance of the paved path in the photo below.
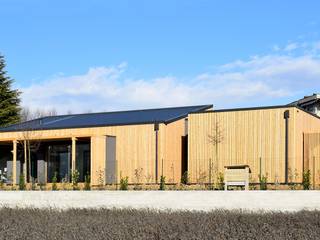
(163, 200)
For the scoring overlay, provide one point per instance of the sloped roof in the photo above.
(307, 100)
(160, 115)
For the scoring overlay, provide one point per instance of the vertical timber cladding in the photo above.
(312, 156)
(98, 149)
(135, 148)
(247, 136)
(308, 129)
(170, 150)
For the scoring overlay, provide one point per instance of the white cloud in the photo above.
(259, 80)
(291, 47)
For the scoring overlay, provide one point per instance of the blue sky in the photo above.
(105, 55)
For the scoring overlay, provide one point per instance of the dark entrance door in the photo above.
(184, 154)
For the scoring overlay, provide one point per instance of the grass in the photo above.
(136, 224)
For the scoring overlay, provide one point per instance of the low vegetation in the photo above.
(22, 183)
(162, 183)
(87, 181)
(124, 183)
(263, 182)
(134, 224)
(306, 180)
(54, 182)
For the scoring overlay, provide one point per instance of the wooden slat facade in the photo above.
(312, 156)
(135, 148)
(255, 137)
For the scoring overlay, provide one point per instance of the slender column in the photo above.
(73, 154)
(14, 163)
(25, 160)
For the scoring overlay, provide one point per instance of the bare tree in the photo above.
(215, 139)
(27, 114)
(31, 140)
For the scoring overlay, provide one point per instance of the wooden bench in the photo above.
(236, 175)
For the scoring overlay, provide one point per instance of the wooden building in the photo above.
(141, 144)
(278, 142)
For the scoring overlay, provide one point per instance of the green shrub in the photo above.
(162, 183)
(220, 181)
(124, 183)
(185, 178)
(306, 180)
(22, 183)
(263, 182)
(54, 182)
(75, 179)
(87, 181)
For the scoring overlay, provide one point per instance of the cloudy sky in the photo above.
(92, 56)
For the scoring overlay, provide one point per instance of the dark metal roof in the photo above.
(147, 116)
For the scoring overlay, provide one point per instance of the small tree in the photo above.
(202, 178)
(87, 181)
(162, 183)
(138, 177)
(293, 175)
(215, 138)
(149, 178)
(124, 183)
(306, 179)
(22, 183)
(33, 184)
(75, 179)
(185, 178)
(263, 182)
(100, 173)
(54, 182)
(220, 181)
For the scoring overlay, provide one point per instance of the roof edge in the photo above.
(202, 109)
(245, 109)
(258, 108)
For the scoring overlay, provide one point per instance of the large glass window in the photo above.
(59, 161)
(83, 159)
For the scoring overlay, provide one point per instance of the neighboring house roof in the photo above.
(147, 116)
(306, 101)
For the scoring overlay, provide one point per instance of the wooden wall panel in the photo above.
(248, 136)
(306, 123)
(308, 131)
(312, 156)
(135, 148)
(170, 150)
(98, 146)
